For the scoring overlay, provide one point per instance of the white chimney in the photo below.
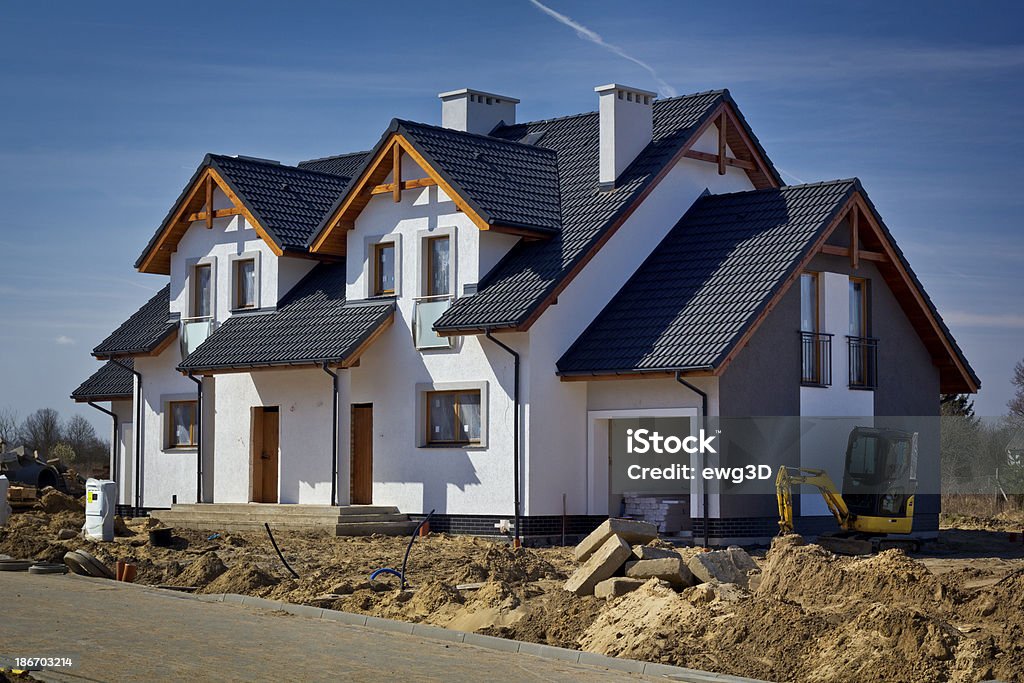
(627, 124)
(476, 112)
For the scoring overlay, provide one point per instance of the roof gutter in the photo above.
(199, 436)
(334, 432)
(515, 430)
(704, 419)
(113, 440)
(635, 371)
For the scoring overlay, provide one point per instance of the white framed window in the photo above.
(245, 281)
(202, 290)
(383, 265)
(437, 282)
(452, 415)
(180, 422)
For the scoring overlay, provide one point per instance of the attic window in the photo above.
(532, 138)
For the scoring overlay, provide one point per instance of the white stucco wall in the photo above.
(303, 396)
(165, 472)
(557, 427)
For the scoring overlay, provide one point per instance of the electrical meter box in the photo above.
(100, 502)
(5, 509)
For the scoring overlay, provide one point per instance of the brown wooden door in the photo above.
(265, 455)
(361, 488)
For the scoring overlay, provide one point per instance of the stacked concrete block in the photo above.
(669, 515)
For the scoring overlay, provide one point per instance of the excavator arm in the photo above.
(788, 476)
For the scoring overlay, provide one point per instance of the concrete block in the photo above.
(389, 625)
(725, 566)
(646, 552)
(600, 565)
(669, 569)
(438, 633)
(303, 610)
(630, 530)
(344, 617)
(616, 586)
(549, 652)
(492, 643)
(613, 663)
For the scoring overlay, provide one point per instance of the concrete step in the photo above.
(286, 509)
(261, 517)
(396, 528)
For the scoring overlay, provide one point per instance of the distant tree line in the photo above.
(73, 441)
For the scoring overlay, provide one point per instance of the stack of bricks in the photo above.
(670, 515)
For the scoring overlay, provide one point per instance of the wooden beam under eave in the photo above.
(721, 143)
(396, 173)
(219, 213)
(209, 202)
(833, 250)
(406, 185)
(854, 239)
(715, 159)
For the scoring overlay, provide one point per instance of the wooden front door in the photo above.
(361, 488)
(265, 454)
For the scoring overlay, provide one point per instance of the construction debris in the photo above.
(616, 587)
(669, 569)
(629, 530)
(650, 552)
(600, 565)
(723, 566)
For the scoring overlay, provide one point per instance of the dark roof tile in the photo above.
(110, 382)
(144, 331)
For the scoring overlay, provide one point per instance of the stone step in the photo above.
(396, 528)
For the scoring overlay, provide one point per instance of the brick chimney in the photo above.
(474, 111)
(626, 124)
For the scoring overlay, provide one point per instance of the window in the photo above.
(384, 269)
(863, 349)
(201, 291)
(438, 271)
(815, 346)
(245, 283)
(453, 417)
(181, 424)
(858, 307)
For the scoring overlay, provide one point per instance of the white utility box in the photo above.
(100, 502)
(5, 509)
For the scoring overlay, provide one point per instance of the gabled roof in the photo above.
(313, 324)
(110, 383)
(532, 274)
(347, 165)
(283, 203)
(500, 184)
(148, 330)
(705, 287)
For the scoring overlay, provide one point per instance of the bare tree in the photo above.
(8, 427)
(90, 451)
(40, 431)
(1016, 404)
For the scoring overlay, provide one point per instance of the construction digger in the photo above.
(875, 510)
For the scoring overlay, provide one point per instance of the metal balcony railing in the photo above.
(816, 359)
(428, 310)
(194, 332)
(863, 355)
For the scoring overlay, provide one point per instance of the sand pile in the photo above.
(241, 578)
(203, 570)
(510, 565)
(53, 500)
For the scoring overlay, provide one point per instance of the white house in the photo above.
(452, 320)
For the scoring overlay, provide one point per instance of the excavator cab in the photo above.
(880, 479)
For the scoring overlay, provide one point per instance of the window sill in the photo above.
(857, 387)
(453, 446)
(180, 449)
(815, 386)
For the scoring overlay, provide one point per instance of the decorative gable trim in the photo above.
(196, 204)
(735, 138)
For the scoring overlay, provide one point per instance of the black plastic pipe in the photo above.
(199, 436)
(515, 429)
(334, 434)
(113, 442)
(704, 419)
(137, 429)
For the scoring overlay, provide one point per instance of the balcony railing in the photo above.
(816, 359)
(863, 354)
(194, 332)
(428, 310)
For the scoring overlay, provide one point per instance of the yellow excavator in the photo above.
(875, 510)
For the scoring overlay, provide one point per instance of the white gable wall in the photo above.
(557, 437)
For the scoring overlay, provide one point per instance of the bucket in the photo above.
(160, 537)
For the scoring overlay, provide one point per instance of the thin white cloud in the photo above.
(593, 36)
(1006, 321)
(64, 340)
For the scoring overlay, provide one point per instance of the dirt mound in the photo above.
(506, 564)
(202, 571)
(53, 500)
(432, 596)
(558, 621)
(241, 578)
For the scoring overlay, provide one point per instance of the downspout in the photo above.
(703, 420)
(113, 440)
(199, 436)
(334, 434)
(515, 429)
(138, 431)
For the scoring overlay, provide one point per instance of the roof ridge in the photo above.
(838, 181)
(483, 136)
(720, 91)
(274, 164)
(332, 157)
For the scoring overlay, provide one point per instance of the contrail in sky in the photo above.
(593, 36)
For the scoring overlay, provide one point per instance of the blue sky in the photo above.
(108, 108)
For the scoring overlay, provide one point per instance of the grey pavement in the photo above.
(119, 632)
